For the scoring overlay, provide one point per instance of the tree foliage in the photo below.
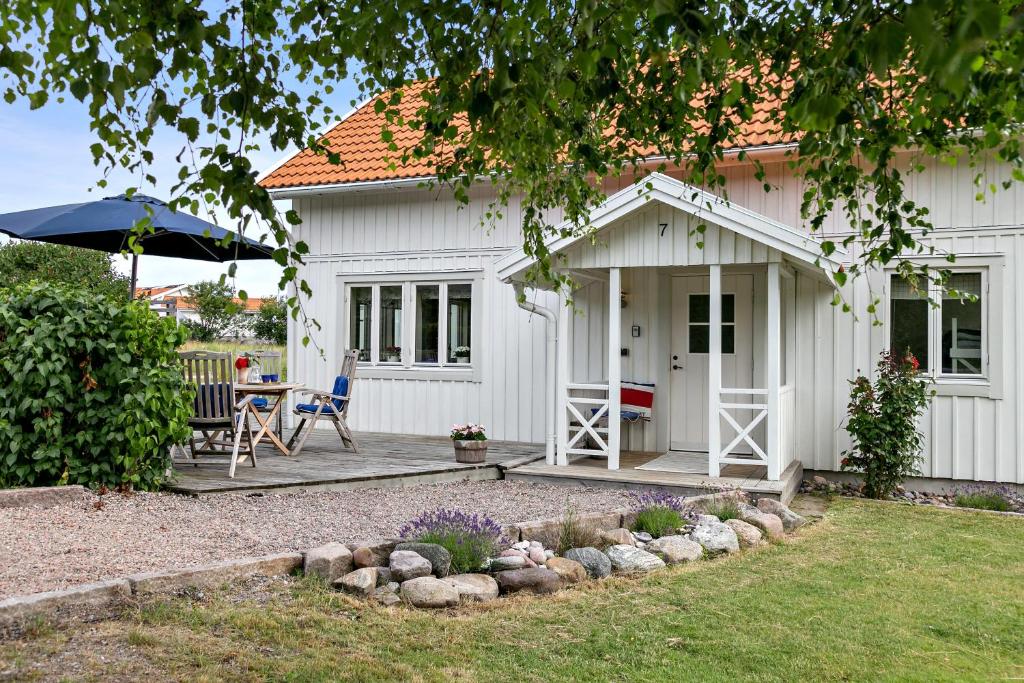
(22, 262)
(218, 312)
(525, 94)
(271, 321)
(91, 389)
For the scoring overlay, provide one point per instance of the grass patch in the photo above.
(984, 501)
(723, 507)
(572, 533)
(873, 592)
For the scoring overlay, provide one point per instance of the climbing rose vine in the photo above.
(882, 421)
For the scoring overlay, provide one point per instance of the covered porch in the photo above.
(695, 302)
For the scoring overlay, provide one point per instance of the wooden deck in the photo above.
(384, 460)
(595, 472)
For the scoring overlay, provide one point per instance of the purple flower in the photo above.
(643, 500)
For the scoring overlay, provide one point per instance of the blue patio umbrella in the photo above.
(106, 225)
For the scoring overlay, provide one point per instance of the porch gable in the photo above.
(657, 222)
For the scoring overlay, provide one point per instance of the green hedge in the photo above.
(91, 390)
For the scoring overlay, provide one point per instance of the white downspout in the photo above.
(549, 367)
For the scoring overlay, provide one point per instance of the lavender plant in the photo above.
(659, 513)
(1000, 499)
(471, 538)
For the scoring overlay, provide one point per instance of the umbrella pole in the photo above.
(135, 276)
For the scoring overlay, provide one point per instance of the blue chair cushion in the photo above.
(212, 398)
(259, 402)
(340, 389)
(627, 415)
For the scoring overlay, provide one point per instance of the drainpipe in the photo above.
(551, 375)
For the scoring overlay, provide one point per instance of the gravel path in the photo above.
(75, 543)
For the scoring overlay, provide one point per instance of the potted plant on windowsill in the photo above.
(470, 443)
(393, 354)
(461, 354)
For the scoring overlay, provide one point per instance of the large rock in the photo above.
(570, 571)
(361, 582)
(386, 596)
(440, 558)
(371, 554)
(790, 520)
(473, 587)
(630, 559)
(716, 537)
(768, 523)
(501, 564)
(405, 565)
(329, 562)
(676, 549)
(747, 534)
(618, 537)
(532, 580)
(426, 591)
(596, 563)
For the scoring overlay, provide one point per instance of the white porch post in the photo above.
(714, 368)
(773, 373)
(614, 365)
(562, 363)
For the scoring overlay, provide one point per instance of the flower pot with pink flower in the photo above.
(470, 443)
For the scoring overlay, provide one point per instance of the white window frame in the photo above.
(408, 367)
(989, 382)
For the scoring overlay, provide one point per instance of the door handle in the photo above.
(677, 367)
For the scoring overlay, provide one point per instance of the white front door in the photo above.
(689, 349)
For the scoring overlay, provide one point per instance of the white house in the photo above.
(749, 359)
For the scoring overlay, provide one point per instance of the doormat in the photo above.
(678, 461)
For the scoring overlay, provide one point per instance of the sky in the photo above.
(46, 161)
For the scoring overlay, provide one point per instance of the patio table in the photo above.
(278, 390)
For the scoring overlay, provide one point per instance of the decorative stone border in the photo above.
(42, 497)
(335, 561)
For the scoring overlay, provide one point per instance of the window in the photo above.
(419, 323)
(390, 324)
(961, 325)
(700, 323)
(428, 303)
(909, 311)
(460, 321)
(359, 321)
(948, 339)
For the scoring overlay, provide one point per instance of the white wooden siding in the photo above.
(968, 437)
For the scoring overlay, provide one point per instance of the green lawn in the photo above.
(872, 592)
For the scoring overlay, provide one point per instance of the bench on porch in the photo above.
(636, 405)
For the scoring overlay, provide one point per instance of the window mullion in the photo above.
(375, 318)
(442, 323)
(408, 324)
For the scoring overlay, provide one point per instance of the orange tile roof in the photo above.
(365, 157)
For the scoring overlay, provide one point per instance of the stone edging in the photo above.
(101, 597)
(42, 497)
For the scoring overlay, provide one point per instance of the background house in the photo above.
(173, 300)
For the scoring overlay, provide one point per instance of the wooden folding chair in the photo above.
(328, 405)
(223, 422)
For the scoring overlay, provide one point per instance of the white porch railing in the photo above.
(584, 415)
(743, 418)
